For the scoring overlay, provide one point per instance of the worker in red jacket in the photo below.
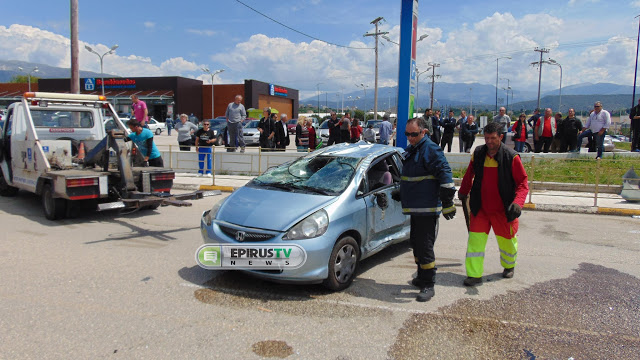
(497, 185)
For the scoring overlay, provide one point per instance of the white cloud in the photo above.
(635, 3)
(577, 2)
(149, 24)
(201, 32)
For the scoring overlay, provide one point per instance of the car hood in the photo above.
(269, 209)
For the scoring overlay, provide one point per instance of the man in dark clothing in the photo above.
(267, 128)
(556, 143)
(469, 131)
(449, 125)
(635, 127)
(426, 191)
(435, 124)
(334, 129)
(282, 134)
(532, 121)
(571, 126)
(345, 128)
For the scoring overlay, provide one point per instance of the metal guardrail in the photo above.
(576, 173)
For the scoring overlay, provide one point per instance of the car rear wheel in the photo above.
(343, 263)
(527, 148)
(158, 131)
(220, 141)
(54, 208)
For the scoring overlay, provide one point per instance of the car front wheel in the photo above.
(158, 131)
(527, 148)
(343, 264)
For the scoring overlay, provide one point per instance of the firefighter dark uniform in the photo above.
(496, 184)
(426, 190)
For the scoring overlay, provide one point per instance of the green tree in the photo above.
(358, 114)
(23, 79)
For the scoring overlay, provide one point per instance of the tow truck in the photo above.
(55, 145)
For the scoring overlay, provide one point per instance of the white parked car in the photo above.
(156, 126)
(251, 133)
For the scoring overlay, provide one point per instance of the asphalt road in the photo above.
(127, 286)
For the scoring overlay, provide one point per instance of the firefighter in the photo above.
(426, 190)
(498, 185)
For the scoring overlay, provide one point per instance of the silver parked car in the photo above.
(335, 203)
(251, 133)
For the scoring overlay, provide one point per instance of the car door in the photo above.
(385, 220)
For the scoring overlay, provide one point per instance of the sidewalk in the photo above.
(542, 200)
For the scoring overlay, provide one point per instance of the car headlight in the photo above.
(312, 226)
(210, 215)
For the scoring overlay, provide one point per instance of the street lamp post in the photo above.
(318, 90)
(207, 71)
(111, 50)
(35, 69)
(507, 91)
(497, 61)
(364, 87)
(553, 62)
(418, 85)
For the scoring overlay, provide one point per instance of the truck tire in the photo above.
(6, 189)
(54, 208)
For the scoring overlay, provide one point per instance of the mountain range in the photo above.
(614, 97)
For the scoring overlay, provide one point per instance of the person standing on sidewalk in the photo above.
(386, 130)
(449, 125)
(169, 123)
(597, 125)
(571, 126)
(469, 131)
(185, 129)
(205, 139)
(544, 131)
(497, 185)
(235, 115)
(504, 120)
(461, 121)
(520, 134)
(334, 130)
(426, 190)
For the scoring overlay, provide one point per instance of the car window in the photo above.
(325, 125)
(292, 122)
(325, 174)
(382, 172)
(253, 124)
(62, 119)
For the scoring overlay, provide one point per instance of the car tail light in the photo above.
(163, 176)
(82, 182)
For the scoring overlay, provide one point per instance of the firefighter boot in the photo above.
(428, 279)
(417, 282)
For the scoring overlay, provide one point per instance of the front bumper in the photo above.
(318, 250)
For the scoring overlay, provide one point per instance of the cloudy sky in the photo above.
(593, 40)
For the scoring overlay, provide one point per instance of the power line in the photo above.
(301, 33)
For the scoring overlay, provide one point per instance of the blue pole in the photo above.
(407, 68)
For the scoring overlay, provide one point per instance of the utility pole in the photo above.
(541, 51)
(497, 60)
(75, 50)
(433, 79)
(318, 86)
(375, 96)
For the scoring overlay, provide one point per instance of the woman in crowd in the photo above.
(185, 129)
(302, 134)
(312, 134)
(520, 134)
(356, 131)
(205, 139)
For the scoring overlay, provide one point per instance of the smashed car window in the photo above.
(323, 174)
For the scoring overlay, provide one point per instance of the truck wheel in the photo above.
(54, 208)
(158, 131)
(6, 189)
(342, 264)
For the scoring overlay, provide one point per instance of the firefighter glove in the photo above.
(446, 196)
(449, 212)
(395, 194)
(514, 210)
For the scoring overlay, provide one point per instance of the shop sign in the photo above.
(275, 90)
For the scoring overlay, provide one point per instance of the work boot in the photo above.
(472, 281)
(508, 273)
(426, 293)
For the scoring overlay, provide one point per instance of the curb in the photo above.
(577, 209)
(217, 187)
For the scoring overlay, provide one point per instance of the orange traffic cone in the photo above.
(81, 151)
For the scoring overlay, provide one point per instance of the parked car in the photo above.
(291, 126)
(156, 126)
(376, 127)
(323, 132)
(620, 138)
(218, 126)
(251, 133)
(338, 209)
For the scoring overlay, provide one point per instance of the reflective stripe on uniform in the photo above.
(428, 266)
(417, 178)
(449, 185)
(475, 254)
(422, 210)
(506, 261)
(507, 254)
